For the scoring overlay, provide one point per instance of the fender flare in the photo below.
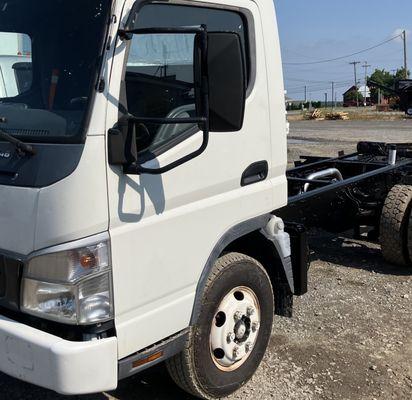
(234, 233)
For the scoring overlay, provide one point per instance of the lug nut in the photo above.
(248, 347)
(250, 311)
(230, 337)
(238, 316)
(235, 352)
(255, 326)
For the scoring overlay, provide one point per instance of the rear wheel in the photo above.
(396, 226)
(410, 237)
(228, 342)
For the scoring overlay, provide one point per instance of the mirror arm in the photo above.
(136, 168)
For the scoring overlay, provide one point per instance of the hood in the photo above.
(75, 207)
(18, 210)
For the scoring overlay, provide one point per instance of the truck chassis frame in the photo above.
(349, 191)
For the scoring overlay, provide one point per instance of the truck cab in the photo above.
(141, 167)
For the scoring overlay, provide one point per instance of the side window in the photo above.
(159, 75)
(160, 84)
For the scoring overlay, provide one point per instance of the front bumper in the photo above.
(48, 361)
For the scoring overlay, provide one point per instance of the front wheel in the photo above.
(227, 344)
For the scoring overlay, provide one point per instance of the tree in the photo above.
(384, 78)
(400, 74)
(387, 79)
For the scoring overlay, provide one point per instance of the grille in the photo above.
(10, 273)
(27, 132)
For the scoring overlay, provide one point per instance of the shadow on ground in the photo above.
(150, 385)
(351, 253)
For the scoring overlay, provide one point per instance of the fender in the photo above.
(264, 224)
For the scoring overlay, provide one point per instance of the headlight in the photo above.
(73, 286)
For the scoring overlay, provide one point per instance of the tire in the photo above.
(396, 229)
(409, 111)
(197, 369)
(410, 237)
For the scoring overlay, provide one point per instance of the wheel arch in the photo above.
(246, 238)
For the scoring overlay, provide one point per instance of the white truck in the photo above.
(142, 184)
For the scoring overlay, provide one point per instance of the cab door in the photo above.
(164, 227)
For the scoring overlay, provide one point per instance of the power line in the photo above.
(311, 81)
(325, 84)
(316, 90)
(346, 56)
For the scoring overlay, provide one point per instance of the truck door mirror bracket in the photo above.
(219, 89)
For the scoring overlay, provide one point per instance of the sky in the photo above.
(317, 30)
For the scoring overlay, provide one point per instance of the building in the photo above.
(364, 93)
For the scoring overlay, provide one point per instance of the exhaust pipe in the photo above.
(392, 154)
(330, 172)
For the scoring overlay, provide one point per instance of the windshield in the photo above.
(49, 59)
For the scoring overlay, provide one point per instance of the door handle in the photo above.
(254, 173)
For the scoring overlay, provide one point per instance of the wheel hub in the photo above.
(235, 329)
(240, 330)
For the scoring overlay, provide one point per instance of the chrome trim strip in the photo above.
(75, 244)
(87, 241)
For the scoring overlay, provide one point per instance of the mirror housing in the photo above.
(227, 82)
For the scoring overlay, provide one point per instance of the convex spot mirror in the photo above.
(219, 91)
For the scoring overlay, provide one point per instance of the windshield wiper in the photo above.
(20, 146)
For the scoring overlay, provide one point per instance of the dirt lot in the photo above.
(328, 137)
(351, 336)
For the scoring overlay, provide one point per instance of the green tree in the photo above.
(384, 78)
(387, 79)
(400, 74)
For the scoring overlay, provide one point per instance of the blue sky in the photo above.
(321, 29)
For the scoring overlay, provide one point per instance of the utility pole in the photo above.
(326, 100)
(355, 63)
(306, 94)
(366, 66)
(333, 93)
(405, 55)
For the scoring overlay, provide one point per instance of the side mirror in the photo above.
(219, 93)
(227, 82)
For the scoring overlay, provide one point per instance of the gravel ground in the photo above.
(351, 335)
(328, 137)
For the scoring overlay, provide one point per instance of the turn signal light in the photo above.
(88, 261)
(151, 358)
